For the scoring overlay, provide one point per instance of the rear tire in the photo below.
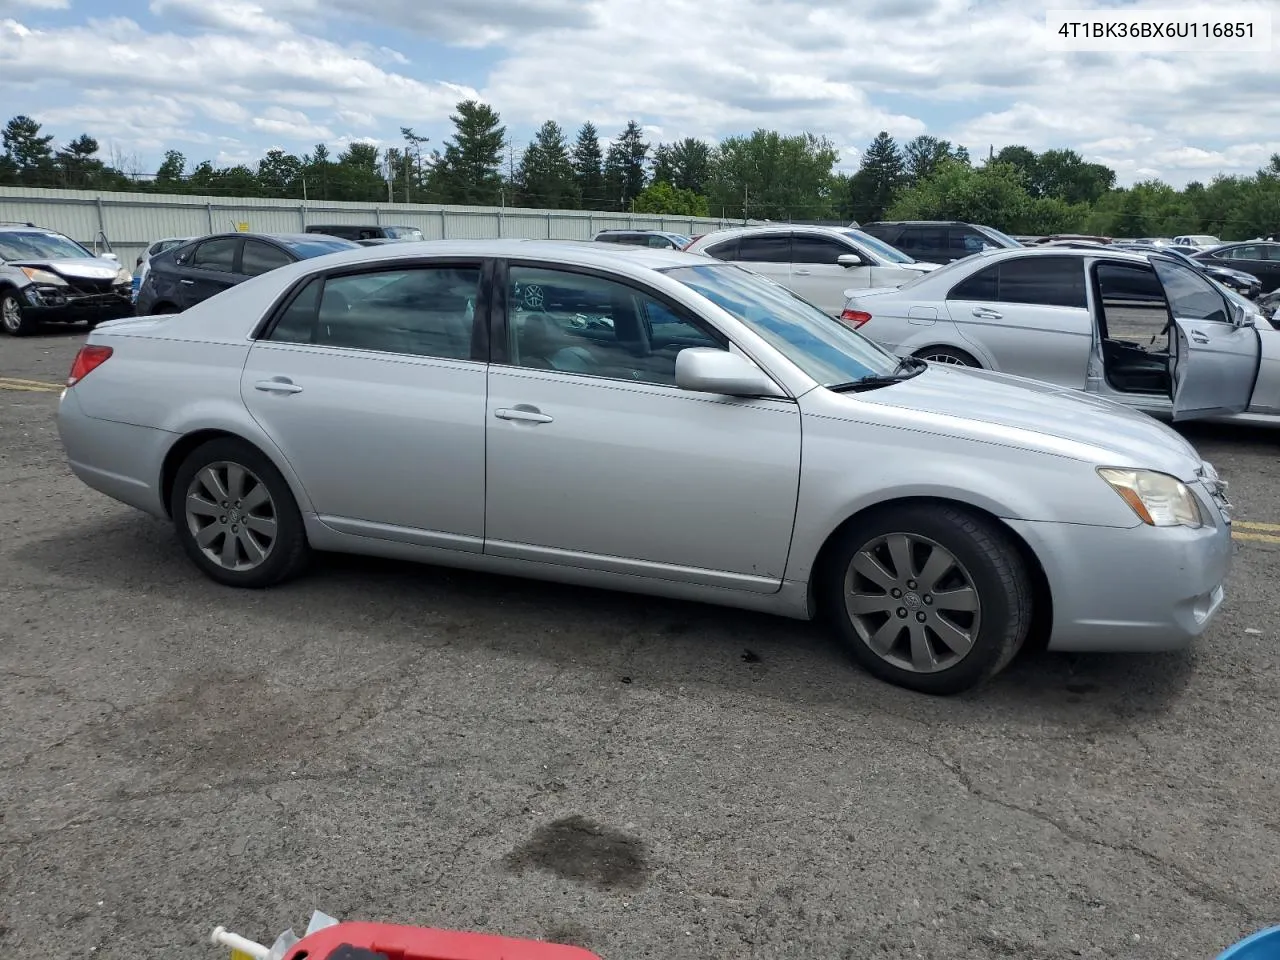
(950, 356)
(13, 319)
(928, 597)
(236, 517)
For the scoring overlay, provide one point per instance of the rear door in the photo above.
(1215, 362)
(818, 278)
(768, 254)
(259, 257)
(210, 269)
(1030, 315)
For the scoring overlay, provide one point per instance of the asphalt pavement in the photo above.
(646, 778)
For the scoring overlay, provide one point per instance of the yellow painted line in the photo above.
(1249, 525)
(1256, 537)
(30, 383)
(29, 386)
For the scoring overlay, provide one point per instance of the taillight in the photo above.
(87, 360)
(854, 318)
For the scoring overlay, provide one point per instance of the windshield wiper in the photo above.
(907, 368)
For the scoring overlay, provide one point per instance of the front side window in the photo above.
(825, 349)
(923, 239)
(1190, 296)
(216, 255)
(424, 311)
(577, 323)
(878, 246)
(815, 249)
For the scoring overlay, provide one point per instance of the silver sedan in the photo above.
(655, 422)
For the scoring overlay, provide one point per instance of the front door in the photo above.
(596, 459)
(1030, 315)
(210, 270)
(1215, 361)
(818, 277)
(370, 384)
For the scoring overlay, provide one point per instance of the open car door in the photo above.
(1214, 350)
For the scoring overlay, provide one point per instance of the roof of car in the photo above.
(729, 232)
(582, 252)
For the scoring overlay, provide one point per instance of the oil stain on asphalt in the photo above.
(579, 849)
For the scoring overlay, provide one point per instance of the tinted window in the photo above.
(1247, 252)
(982, 285)
(965, 240)
(217, 255)
(768, 249)
(259, 257)
(887, 232)
(1191, 296)
(317, 246)
(923, 239)
(422, 311)
(814, 249)
(1052, 281)
(658, 241)
(726, 250)
(595, 327)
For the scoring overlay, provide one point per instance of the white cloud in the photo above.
(13, 6)
(977, 72)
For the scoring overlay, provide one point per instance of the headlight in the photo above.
(124, 276)
(36, 275)
(1158, 499)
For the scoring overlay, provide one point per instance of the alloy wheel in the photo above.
(950, 358)
(11, 314)
(231, 515)
(912, 602)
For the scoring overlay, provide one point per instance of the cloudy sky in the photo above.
(229, 79)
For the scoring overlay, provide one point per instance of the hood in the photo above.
(1230, 272)
(82, 268)
(919, 266)
(1000, 408)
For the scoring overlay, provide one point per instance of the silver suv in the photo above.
(45, 276)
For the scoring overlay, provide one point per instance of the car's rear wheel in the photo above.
(12, 319)
(163, 308)
(948, 355)
(929, 597)
(236, 517)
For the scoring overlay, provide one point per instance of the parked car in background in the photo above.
(1200, 241)
(144, 259)
(1072, 237)
(1259, 257)
(655, 422)
(659, 239)
(45, 276)
(817, 263)
(180, 278)
(939, 241)
(356, 232)
(1245, 284)
(1140, 329)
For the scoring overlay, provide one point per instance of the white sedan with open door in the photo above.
(1140, 329)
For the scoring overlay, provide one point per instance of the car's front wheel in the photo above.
(236, 517)
(949, 356)
(12, 319)
(929, 597)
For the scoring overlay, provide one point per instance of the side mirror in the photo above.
(708, 370)
(1239, 317)
(847, 260)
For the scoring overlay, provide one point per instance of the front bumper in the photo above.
(55, 305)
(1132, 589)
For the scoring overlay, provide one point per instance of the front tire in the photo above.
(13, 320)
(928, 597)
(236, 517)
(949, 356)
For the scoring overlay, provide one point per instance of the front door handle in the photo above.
(1199, 337)
(278, 385)
(186, 283)
(802, 273)
(987, 314)
(522, 413)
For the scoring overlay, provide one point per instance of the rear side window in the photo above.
(726, 250)
(768, 249)
(983, 285)
(421, 311)
(1051, 281)
(922, 239)
(219, 255)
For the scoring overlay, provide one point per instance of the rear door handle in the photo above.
(279, 385)
(802, 273)
(987, 314)
(522, 413)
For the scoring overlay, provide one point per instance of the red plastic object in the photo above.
(425, 943)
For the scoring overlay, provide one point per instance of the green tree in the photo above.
(923, 155)
(79, 163)
(1066, 175)
(770, 176)
(662, 197)
(588, 166)
(279, 173)
(881, 174)
(685, 164)
(414, 175)
(545, 177)
(469, 171)
(169, 176)
(28, 150)
(624, 166)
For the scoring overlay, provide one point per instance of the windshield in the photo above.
(40, 246)
(404, 233)
(892, 254)
(820, 345)
(1002, 237)
(318, 246)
